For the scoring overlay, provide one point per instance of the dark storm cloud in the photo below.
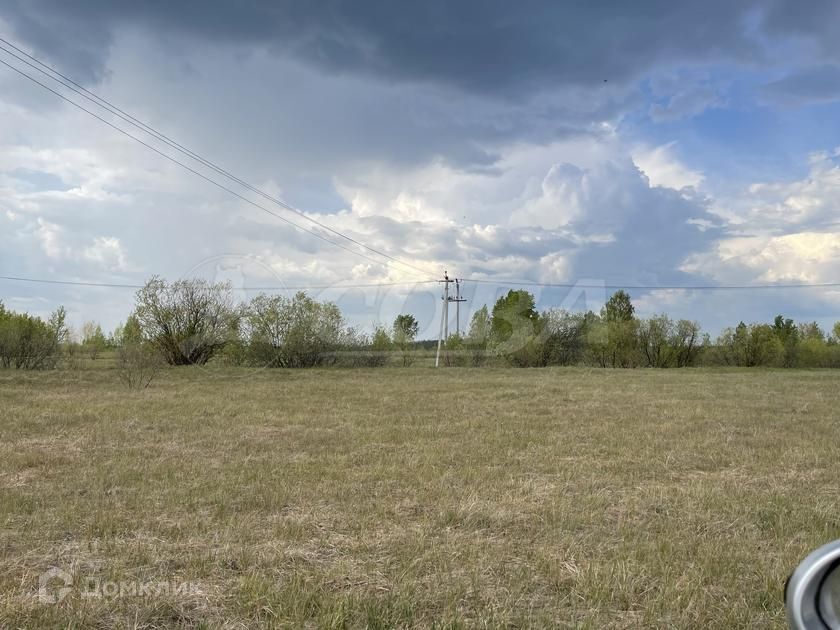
(815, 20)
(487, 46)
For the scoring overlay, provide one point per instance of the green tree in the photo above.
(295, 332)
(784, 328)
(788, 334)
(479, 336)
(655, 337)
(28, 342)
(664, 343)
(129, 332)
(188, 321)
(404, 331)
(93, 339)
(751, 346)
(686, 343)
(811, 330)
(621, 330)
(515, 328)
(618, 308)
(512, 312)
(597, 342)
(814, 351)
(564, 336)
(454, 354)
(380, 347)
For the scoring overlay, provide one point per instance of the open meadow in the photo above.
(413, 497)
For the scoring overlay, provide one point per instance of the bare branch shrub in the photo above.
(188, 321)
(138, 364)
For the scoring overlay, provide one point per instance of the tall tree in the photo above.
(93, 339)
(404, 331)
(686, 343)
(479, 335)
(564, 336)
(512, 313)
(619, 308)
(655, 336)
(380, 347)
(811, 330)
(188, 321)
(621, 330)
(788, 333)
(515, 328)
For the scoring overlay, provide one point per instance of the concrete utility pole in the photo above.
(458, 299)
(443, 315)
(443, 335)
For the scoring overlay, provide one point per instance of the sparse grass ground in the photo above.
(415, 497)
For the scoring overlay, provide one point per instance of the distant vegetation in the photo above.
(28, 342)
(194, 322)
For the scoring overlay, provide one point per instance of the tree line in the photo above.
(194, 322)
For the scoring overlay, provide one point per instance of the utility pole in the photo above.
(443, 335)
(444, 326)
(458, 299)
(446, 309)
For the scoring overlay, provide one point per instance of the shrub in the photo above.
(188, 321)
(293, 332)
(665, 343)
(138, 363)
(455, 353)
(751, 346)
(28, 342)
(564, 337)
(380, 347)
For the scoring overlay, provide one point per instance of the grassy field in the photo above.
(414, 497)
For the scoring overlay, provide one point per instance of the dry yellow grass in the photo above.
(415, 497)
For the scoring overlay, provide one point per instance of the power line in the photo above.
(190, 169)
(641, 287)
(107, 105)
(73, 283)
(580, 285)
(108, 285)
(113, 109)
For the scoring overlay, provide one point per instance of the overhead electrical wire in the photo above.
(109, 285)
(547, 285)
(116, 111)
(645, 287)
(192, 170)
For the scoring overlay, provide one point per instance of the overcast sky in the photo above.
(623, 143)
